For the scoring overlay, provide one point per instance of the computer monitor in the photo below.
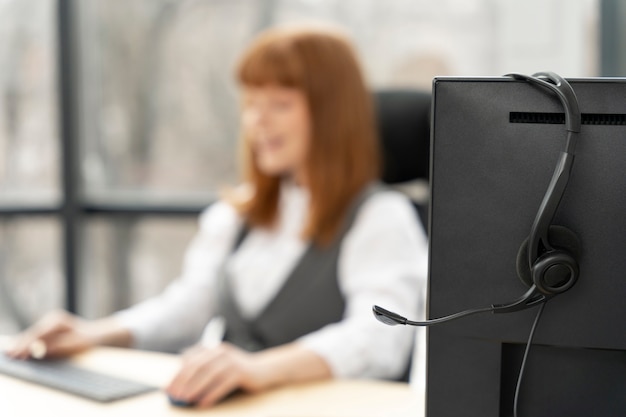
(495, 143)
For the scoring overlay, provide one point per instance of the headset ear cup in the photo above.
(560, 238)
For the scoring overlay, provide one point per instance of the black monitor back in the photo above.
(495, 144)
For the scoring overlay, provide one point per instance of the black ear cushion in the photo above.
(560, 237)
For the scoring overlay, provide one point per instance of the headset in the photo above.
(547, 260)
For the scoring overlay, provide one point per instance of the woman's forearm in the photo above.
(109, 332)
(291, 363)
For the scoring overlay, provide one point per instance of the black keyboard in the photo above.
(70, 378)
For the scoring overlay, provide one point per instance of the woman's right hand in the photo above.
(58, 334)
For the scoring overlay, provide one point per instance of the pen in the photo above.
(214, 332)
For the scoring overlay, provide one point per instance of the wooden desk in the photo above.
(337, 398)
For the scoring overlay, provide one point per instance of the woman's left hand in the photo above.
(210, 374)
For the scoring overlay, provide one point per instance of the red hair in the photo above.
(343, 157)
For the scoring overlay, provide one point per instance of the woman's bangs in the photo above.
(267, 66)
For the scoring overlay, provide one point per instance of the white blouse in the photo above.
(383, 260)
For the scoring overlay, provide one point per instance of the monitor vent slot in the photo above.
(614, 119)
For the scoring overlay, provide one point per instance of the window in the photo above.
(30, 267)
(119, 120)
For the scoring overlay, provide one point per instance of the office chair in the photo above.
(403, 117)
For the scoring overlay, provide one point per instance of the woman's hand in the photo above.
(60, 334)
(210, 374)
(57, 334)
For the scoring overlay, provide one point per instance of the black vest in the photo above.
(309, 299)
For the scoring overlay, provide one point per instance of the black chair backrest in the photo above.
(404, 127)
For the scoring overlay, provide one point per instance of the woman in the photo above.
(292, 260)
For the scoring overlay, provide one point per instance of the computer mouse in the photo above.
(180, 403)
